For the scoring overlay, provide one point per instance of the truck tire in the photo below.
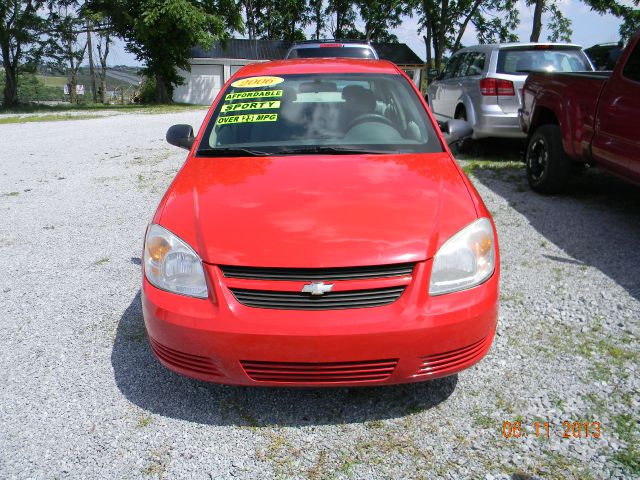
(548, 167)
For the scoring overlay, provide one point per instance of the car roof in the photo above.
(331, 40)
(489, 47)
(318, 65)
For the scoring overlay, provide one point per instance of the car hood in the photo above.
(317, 211)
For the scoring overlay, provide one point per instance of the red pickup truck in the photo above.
(583, 118)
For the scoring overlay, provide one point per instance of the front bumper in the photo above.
(416, 338)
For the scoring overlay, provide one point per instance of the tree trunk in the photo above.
(103, 90)
(465, 23)
(10, 97)
(537, 21)
(318, 14)
(427, 46)
(73, 82)
(440, 32)
(92, 71)
(162, 95)
(102, 55)
(10, 88)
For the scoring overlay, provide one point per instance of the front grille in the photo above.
(286, 372)
(323, 274)
(376, 297)
(439, 363)
(185, 361)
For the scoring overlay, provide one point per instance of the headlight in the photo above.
(465, 260)
(170, 264)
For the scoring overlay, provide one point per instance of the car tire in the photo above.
(548, 167)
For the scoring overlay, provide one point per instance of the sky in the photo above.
(589, 28)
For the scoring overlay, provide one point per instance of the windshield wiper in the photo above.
(328, 150)
(231, 152)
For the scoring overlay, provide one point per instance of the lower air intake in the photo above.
(336, 372)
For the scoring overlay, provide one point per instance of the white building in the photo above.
(210, 69)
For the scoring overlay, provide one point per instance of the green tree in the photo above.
(20, 41)
(67, 40)
(559, 26)
(161, 33)
(446, 21)
(379, 16)
(317, 17)
(342, 19)
(630, 16)
(281, 20)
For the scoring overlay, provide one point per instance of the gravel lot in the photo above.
(83, 397)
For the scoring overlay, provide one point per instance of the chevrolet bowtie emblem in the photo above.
(317, 288)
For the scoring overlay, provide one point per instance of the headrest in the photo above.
(288, 94)
(356, 94)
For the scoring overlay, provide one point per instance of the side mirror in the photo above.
(456, 130)
(181, 136)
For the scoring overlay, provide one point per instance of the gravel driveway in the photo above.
(83, 397)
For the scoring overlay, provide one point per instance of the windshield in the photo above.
(318, 52)
(522, 61)
(317, 113)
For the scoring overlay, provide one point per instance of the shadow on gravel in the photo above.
(146, 383)
(596, 221)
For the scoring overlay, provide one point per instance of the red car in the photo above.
(320, 233)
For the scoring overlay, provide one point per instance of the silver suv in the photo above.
(483, 84)
(333, 48)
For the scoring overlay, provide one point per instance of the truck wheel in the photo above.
(548, 167)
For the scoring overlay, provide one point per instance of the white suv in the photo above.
(332, 48)
(483, 84)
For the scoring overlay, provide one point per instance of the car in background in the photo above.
(574, 119)
(332, 48)
(604, 56)
(320, 234)
(483, 84)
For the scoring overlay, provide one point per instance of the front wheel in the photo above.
(548, 167)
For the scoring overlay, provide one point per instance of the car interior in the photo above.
(329, 111)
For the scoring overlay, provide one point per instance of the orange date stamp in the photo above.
(537, 429)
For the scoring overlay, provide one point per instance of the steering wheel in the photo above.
(369, 117)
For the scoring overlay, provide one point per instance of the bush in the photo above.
(147, 92)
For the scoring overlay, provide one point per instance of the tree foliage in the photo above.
(280, 20)
(21, 27)
(67, 45)
(342, 18)
(379, 16)
(446, 21)
(161, 33)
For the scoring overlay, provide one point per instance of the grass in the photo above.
(45, 118)
(626, 429)
(11, 194)
(102, 261)
(473, 165)
(88, 107)
(51, 81)
(144, 421)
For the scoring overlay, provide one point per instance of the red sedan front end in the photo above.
(325, 238)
